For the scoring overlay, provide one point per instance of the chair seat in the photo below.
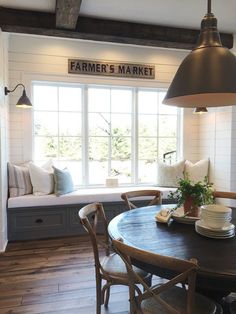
(177, 297)
(114, 265)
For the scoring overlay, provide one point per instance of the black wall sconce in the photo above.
(23, 101)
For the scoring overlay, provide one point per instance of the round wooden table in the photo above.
(216, 257)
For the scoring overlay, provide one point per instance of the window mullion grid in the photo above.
(135, 138)
(85, 137)
(134, 133)
(158, 119)
(110, 140)
(33, 128)
(58, 127)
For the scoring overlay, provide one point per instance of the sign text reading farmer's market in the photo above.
(77, 66)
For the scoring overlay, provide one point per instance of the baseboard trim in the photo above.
(3, 241)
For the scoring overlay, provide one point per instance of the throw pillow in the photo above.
(169, 175)
(48, 166)
(63, 182)
(19, 180)
(42, 179)
(197, 172)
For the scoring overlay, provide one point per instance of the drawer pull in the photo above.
(39, 221)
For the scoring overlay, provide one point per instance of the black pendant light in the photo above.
(207, 76)
(24, 101)
(200, 110)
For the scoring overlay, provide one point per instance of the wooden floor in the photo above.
(53, 276)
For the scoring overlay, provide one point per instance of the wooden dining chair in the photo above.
(224, 195)
(130, 196)
(111, 269)
(165, 297)
(221, 194)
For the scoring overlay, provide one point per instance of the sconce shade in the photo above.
(207, 76)
(24, 101)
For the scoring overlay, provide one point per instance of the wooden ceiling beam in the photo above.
(25, 18)
(41, 23)
(67, 12)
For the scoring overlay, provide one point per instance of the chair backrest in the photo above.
(221, 194)
(132, 195)
(225, 195)
(185, 272)
(89, 216)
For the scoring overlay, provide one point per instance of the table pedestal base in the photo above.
(224, 298)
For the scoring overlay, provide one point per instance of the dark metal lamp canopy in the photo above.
(23, 101)
(207, 76)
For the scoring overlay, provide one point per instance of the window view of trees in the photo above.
(102, 131)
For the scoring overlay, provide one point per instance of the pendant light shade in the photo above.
(200, 110)
(207, 76)
(24, 101)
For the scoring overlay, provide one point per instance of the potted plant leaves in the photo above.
(192, 195)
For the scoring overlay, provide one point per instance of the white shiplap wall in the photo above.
(215, 130)
(191, 136)
(233, 150)
(3, 139)
(41, 58)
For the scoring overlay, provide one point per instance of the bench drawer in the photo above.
(53, 220)
(36, 224)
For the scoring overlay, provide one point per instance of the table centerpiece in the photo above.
(192, 195)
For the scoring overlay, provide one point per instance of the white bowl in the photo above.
(216, 208)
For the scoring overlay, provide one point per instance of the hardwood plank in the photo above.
(53, 276)
(67, 286)
(28, 291)
(70, 301)
(10, 301)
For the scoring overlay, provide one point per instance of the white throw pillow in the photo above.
(48, 166)
(197, 172)
(42, 179)
(169, 175)
(19, 180)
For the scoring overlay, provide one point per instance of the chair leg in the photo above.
(106, 293)
(107, 296)
(99, 300)
(133, 307)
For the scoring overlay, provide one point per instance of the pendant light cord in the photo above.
(209, 6)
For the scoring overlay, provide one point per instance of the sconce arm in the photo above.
(7, 91)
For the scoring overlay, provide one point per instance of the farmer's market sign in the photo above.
(144, 71)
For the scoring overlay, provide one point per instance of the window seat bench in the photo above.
(36, 217)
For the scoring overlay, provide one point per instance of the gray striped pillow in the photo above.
(19, 180)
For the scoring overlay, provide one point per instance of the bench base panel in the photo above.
(53, 221)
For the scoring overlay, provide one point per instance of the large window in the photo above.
(102, 131)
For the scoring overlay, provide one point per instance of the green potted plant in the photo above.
(192, 195)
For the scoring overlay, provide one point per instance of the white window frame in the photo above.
(111, 82)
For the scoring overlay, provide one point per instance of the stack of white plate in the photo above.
(215, 222)
(228, 231)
